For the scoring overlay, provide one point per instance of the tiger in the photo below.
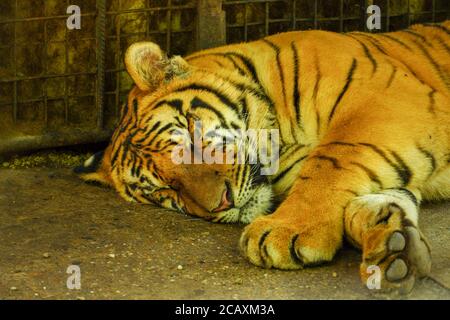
(364, 138)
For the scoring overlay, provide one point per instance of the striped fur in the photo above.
(365, 135)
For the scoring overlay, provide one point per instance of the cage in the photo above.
(61, 87)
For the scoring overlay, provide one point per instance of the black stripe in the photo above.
(249, 65)
(373, 41)
(431, 107)
(338, 143)
(430, 157)
(245, 112)
(279, 66)
(398, 41)
(238, 171)
(294, 254)
(296, 89)
(244, 176)
(410, 195)
(135, 106)
(149, 132)
(175, 104)
(221, 96)
(370, 173)
(400, 172)
(334, 161)
(246, 61)
(285, 171)
(262, 239)
(257, 92)
(344, 90)
(442, 43)
(435, 65)
(439, 27)
(403, 170)
(240, 70)
(318, 77)
(129, 194)
(391, 78)
(368, 55)
(292, 149)
(356, 194)
(199, 103)
(157, 134)
(417, 35)
(315, 92)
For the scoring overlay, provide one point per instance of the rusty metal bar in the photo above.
(164, 8)
(118, 58)
(433, 9)
(388, 16)
(245, 22)
(66, 68)
(14, 115)
(147, 15)
(256, 23)
(57, 98)
(409, 13)
(210, 24)
(49, 76)
(363, 13)
(316, 9)
(101, 43)
(169, 27)
(44, 83)
(43, 18)
(294, 14)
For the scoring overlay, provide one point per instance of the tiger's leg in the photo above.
(385, 226)
(308, 226)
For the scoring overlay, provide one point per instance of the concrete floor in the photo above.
(49, 219)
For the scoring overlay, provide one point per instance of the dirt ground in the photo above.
(49, 220)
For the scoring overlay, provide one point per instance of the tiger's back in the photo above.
(405, 73)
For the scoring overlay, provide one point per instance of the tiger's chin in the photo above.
(259, 204)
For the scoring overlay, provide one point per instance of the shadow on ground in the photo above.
(49, 220)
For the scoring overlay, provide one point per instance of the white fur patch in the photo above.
(377, 201)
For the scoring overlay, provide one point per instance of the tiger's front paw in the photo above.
(274, 243)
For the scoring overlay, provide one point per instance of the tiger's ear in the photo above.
(149, 66)
(93, 170)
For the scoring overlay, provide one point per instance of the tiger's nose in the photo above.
(226, 201)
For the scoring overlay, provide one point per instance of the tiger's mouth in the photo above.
(259, 204)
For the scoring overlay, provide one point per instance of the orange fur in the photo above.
(364, 125)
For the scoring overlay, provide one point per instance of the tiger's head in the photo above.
(159, 125)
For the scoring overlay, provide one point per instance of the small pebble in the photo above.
(334, 274)
(111, 255)
(13, 288)
(180, 267)
(46, 255)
